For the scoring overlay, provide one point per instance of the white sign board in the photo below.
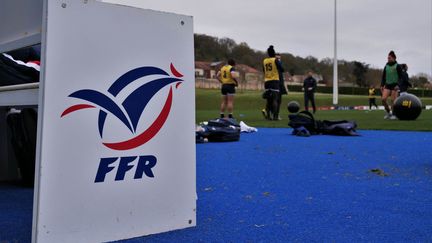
(117, 146)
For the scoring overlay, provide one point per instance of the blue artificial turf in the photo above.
(16, 211)
(274, 187)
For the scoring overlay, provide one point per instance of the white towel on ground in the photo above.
(246, 128)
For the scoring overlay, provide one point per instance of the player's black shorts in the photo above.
(272, 85)
(390, 86)
(228, 89)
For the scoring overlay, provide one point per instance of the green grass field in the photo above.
(248, 106)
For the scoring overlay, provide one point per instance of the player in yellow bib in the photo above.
(272, 67)
(228, 78)
(372, 98)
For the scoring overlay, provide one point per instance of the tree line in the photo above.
(212, 49)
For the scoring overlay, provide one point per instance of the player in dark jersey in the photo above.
(272, 67)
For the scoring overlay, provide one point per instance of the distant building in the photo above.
(209, 70)
(427, 85)
(249, 77)
(216, 66)
(205, 74)
(202, 69)
(298, 79)
(248, 73)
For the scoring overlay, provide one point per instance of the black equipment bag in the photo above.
(23, 127)
(222, 134)
(303, 119)
(340, 128)
(221, 130)
(222, 122)
(200, 136)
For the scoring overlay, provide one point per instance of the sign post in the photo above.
(116, 148)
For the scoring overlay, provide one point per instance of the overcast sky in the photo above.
(367, 29)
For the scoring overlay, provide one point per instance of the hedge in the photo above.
(357, 90)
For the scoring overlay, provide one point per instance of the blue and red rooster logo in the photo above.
(133, 105)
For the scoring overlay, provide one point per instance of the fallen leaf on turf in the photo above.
(378, 172)
(266, 194)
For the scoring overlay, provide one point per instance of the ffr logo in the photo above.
(143, 166)
(129, 111)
